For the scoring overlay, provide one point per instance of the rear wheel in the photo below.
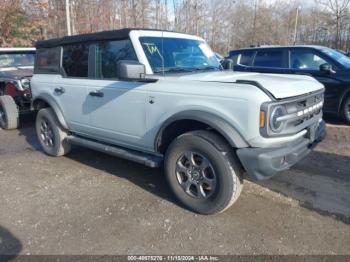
(8, 113)
(51, 135)
(205, 179)
(346, 110)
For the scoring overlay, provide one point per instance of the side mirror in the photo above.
(227, 64)
(326, 68)
(131, 70)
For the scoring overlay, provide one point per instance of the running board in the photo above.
(128, 154)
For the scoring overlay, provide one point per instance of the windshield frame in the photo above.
(173, 70)
(18, 53)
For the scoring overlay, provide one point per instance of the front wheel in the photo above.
(203, 178)
(51, 135)
(346, 110)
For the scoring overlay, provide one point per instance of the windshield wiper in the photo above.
(182, 69)
(174, 70)
(208, 68)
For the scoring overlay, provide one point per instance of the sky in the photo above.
(305, 3)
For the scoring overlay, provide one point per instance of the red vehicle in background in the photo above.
(16, 70)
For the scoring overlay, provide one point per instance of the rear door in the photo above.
(71, 87)
(264, 60)
(273, 60)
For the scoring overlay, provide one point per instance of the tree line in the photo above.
(225, 24)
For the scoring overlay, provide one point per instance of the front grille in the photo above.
(303, 110)
(301, 113)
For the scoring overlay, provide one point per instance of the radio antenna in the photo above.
(162, 56)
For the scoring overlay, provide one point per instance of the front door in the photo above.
(116, 108)
(307, 61)
(117, 111)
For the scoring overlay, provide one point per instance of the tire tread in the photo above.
(11, 111)
(236, 170)
(63, 147)
(343, 113)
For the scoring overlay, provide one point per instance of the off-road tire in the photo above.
(59, 146)
(8, 113)
(345, 110)
(226, 166)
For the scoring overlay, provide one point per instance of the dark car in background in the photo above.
(328, 66)
(16, 70)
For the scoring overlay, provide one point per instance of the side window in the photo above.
(305, 60)
(234, 58)
(246, 58)
(269, 58)
(75, 60)
(109, 53)
(48, 60)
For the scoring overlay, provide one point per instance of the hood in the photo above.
(278, 85)
(15, 73)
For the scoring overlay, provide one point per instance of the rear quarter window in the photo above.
(75, 60)
(234, 57)
(48, 61)
(246, 58)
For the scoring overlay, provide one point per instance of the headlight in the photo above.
(25, 83)
(276, 125)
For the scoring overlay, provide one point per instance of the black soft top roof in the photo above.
(91, 37)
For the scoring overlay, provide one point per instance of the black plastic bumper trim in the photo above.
(263, 163)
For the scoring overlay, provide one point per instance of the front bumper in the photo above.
(263, 163)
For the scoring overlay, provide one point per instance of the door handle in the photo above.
(151, 100)
(59, 90)
(96, 93)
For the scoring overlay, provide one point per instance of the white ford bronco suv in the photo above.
(157, 97)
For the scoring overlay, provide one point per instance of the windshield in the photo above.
(16, 59)
(178, 55)
(339, 57)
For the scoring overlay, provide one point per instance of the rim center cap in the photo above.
(196, 175)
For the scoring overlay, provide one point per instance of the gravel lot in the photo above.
(91, 203)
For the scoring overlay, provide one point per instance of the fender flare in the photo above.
(229, 132)
(53, 104)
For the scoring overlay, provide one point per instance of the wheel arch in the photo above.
(45, 101)
(186, 121)
(342, 99)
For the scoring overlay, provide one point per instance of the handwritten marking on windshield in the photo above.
(152, 49)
